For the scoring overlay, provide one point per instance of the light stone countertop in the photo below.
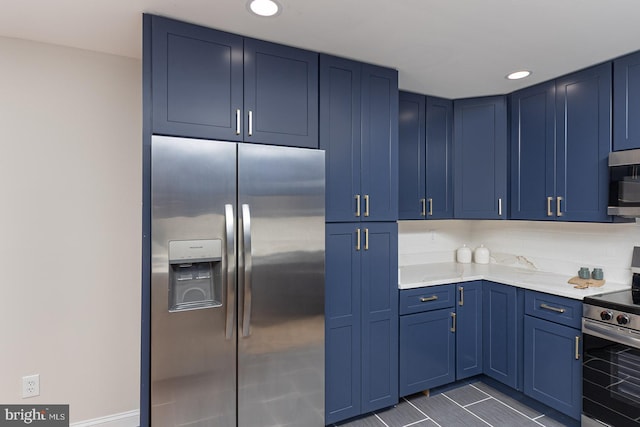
(416, 276)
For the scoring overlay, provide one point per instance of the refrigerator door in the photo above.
(193, 338)
(281, 286)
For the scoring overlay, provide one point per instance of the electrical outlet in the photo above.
(31, 386)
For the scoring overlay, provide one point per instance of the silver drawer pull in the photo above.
(427, 299)
(556, 309)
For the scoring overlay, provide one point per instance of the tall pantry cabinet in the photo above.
(359, 131)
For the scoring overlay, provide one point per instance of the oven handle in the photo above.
(611, 333)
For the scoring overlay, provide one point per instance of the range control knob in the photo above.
(606, 315)
(622, 319)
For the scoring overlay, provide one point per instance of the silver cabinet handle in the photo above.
(423, 202)
(250, 123)
(357, 205)
(453, 322)
(366, 205)
(500, 207)
(558, 206)
(549, 200)
(366, 239)
(229, 270)
(578, 348)
(461, 300)
(246, 255)
(551, 308)
(427, 299)
(238, 120)
(358, 239)
(430, 207)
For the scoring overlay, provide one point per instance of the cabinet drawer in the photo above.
(427, 298)
(565, 311)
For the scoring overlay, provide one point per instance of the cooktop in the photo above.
(620, 300)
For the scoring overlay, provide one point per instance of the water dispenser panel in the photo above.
(195, 280)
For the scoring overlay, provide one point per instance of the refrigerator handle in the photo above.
(246, 255)
(229, 270)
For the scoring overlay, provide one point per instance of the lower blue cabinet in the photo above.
(469, 329)
(553, 352)
(361, 319)
(503, 315)
(440, 335)
(427, 350)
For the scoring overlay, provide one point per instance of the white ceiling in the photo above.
(449, 48)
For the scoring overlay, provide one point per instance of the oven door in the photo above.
(610, 375)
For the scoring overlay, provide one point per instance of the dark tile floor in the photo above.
(478, 402)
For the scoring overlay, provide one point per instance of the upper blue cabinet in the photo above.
(359, 131)
(216, 85)
(425, 145)
(560, 141)
(480, 158)
(626, 102)
(583, 143)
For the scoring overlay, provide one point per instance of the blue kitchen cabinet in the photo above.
(280, 94)
(343, 297)
(425, 144)
(480, 158)
(626, 102)
(427, 350)
(361, 307)
(502, 323)
(560, 142)
(440, 335)
(553, 365)
(533, 152)
(359, 132)
(469, 329)
(583, 143)
(553, 351)
(215, 85)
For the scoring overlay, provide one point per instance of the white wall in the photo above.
(70, 218)
(558, 247)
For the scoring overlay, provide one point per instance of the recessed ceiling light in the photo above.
(519, 75)
(264, 7)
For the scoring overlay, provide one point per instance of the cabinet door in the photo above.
(626, 102)
(411, 145)
(439, 146)
(427, 350)
(533, 153)
(553, 365)
(480, 158)
(583, 143)
(340, 135)
(502, 313)
(196, 81)
(379, 151)
(342, 323)
(280, 94)
(469, 329)
(379, 315)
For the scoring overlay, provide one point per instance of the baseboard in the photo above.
(124, 419)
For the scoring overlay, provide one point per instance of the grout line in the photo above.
(481, 391)
(473, 403)
(466, 410)
(419, 410)
(381, 420)
(538, 417)
(416, 422)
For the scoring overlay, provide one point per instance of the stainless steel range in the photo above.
(611, 366)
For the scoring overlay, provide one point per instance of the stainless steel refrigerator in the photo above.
(237, 284)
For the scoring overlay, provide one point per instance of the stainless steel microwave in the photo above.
(624, 183)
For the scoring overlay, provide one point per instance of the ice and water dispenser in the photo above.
(195, 274)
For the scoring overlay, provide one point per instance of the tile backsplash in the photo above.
(557, 247)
